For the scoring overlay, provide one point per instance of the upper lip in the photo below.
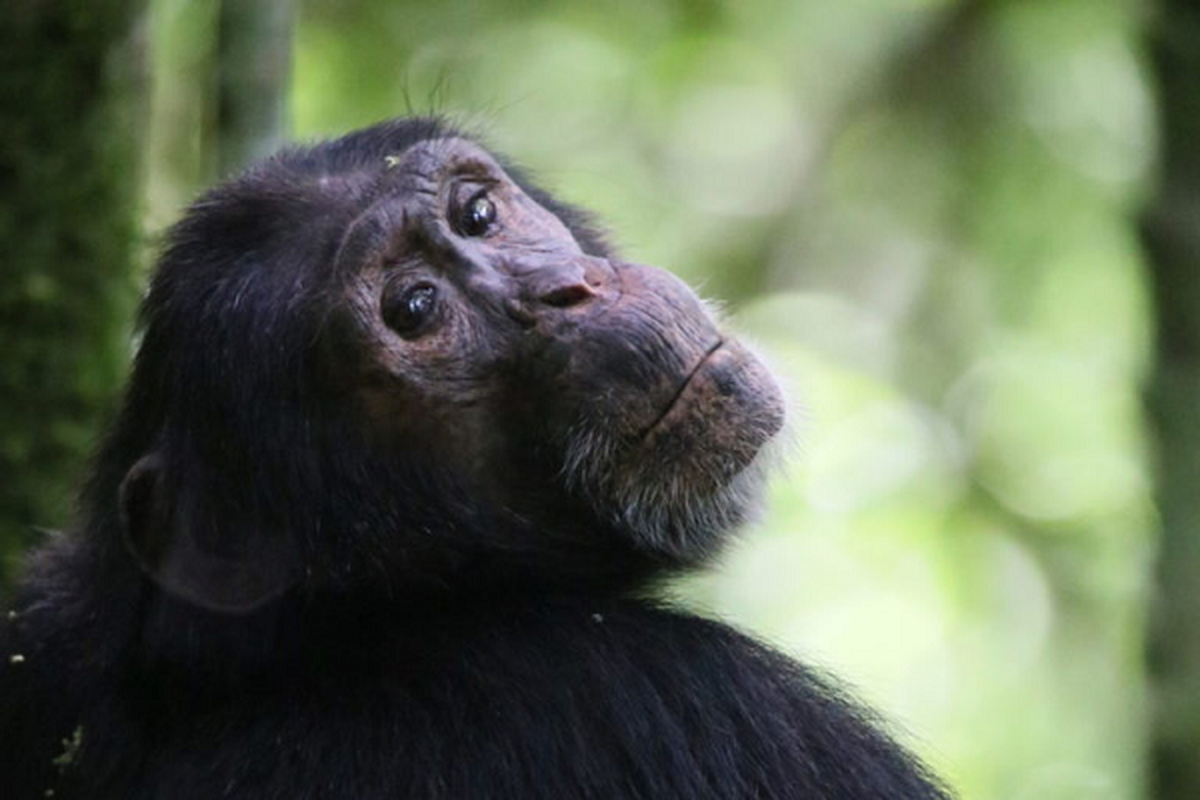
(687, 381)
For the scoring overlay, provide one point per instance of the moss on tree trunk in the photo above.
(71, 91)
(1172, 235)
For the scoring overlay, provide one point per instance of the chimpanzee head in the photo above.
(388, 362)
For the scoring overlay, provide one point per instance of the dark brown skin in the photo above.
(616, 369)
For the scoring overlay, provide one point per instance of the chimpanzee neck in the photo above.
(184, 645)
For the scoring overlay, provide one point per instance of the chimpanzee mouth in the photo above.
(722, 414)
(682, 390)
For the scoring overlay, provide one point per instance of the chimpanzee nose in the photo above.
(567, 283)
(568, 293)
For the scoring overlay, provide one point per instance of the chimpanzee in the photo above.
(405, 450)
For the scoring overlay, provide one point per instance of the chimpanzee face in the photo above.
(481, 329)
(385, 355)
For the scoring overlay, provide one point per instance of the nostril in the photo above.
(569, 295)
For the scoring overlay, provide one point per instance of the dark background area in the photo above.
(967, 235)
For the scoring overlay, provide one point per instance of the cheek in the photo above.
(426, 389)
(434, 425)
(448, 365)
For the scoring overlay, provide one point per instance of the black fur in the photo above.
(427, 644)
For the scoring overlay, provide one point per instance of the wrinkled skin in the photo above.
(615, 372)
(404, 449)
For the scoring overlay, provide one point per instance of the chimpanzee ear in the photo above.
(179, 540)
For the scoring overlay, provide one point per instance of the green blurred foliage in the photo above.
(921, 212)
(71, 83)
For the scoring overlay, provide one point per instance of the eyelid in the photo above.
(484, 191)
(466, 192)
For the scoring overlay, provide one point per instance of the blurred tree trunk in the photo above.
(1171, 232)
(254, 68)
(71, 103)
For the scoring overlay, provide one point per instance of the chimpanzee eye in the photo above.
(478, 216)
(406, 309)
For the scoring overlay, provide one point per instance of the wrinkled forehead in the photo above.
(418, 194)
(425, 168)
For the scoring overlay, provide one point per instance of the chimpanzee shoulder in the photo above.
(551, 698)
